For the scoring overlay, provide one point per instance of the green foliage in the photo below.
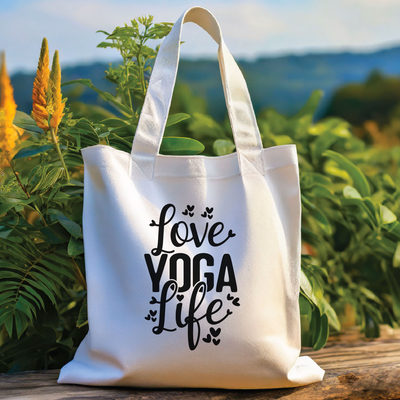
(349, 228)
(42, 276)
(350, 205)
(138, 58)
(131, 80)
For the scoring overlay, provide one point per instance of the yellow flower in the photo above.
(40, 87)
(55, 105)
(8, 108)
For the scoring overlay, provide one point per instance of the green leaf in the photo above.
(49, 274)
(222, 147)
(180, 146)
(351, 193)
(72, 227)
(42, 287)
(327, 309)
(6, 295)
(51, 178)
(387, 217)
(306, 287)
(306, 310)
(9, 325)
(311, 105)
(100, 31)
(24, 121)
(322, 143)
(370, 295)
(372, 321)
(31, 297)
(396, 257)
(114, 122)
(6, 207)
(4, 315)
(38, 178)
(83, 316)
(103, 45)
(60, 264)
(175, 118)
(32, 151)
(360, 182)
(323, 333)
(321, 220)
(75, 247)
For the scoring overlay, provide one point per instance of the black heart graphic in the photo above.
(231, 234)
(207, 339)
(210, 216)
(148, 317)
(153, 300)
(190, 208)
(185, 212)
(153, 313)
(216, 341)
(215, 332)
(191, 214)
(154, 319)
(204, 214)
(229, 312)
(229, 297)
(209, 210)
(236, 302)
(180, 297)
(152, 223)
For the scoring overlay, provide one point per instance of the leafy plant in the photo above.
(131, 80)
(350, 209)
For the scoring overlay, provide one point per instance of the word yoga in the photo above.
(168, 263)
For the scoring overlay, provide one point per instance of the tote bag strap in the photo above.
(153, 118)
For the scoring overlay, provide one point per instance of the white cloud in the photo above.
(250, 27)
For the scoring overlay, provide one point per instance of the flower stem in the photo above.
(53, 136)
(25, 191)
(16, 175)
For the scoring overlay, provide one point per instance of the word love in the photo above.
(180, 234)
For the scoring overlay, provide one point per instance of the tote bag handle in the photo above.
(153, 118)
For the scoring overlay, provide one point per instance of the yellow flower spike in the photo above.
(8, 108)
(56, 106)
(40, 88)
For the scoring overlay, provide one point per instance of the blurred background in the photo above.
(348, 49)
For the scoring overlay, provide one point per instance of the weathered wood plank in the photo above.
(356, 370)
(367, 383)
(353, 355)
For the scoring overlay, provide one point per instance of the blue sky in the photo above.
(251, 28)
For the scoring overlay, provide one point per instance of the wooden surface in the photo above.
(355, 369)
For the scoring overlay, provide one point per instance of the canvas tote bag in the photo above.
(192, 262)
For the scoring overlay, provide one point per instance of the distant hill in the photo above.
(283, 83)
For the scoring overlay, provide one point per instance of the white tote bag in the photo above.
(192, 262)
